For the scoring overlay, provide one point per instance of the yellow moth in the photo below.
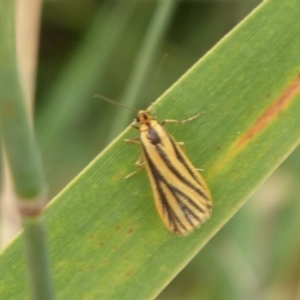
(181, 195)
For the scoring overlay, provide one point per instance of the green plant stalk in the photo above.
(17, 136)
(23, 155)
(38, 260)
(64, 102)
(142, 65)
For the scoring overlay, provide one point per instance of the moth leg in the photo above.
(135, 127)
(139, 164)
(182, 121)
(182, 146)
(133, 141)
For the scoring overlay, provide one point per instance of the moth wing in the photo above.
(181, 195)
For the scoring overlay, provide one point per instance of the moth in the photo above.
(182, 198)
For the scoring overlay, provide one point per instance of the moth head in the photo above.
(143, 117)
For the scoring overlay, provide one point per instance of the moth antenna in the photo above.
(157, 74)
(115, 103)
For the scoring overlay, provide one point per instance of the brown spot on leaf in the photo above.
(130, 230)
(9, 108)
(128, 273)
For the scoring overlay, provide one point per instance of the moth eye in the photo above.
(138, 119)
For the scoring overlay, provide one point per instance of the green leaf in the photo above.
(107, 241)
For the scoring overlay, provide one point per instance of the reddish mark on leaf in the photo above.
(118, 227)
(104, 261)
(91, 237)
(117, 177)
(91, 267)
(270, 113)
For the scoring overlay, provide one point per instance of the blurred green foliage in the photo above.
(257, 252)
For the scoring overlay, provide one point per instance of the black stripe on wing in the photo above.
(173, 218)
(171, 167)
(188, 213)
(183, 161)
